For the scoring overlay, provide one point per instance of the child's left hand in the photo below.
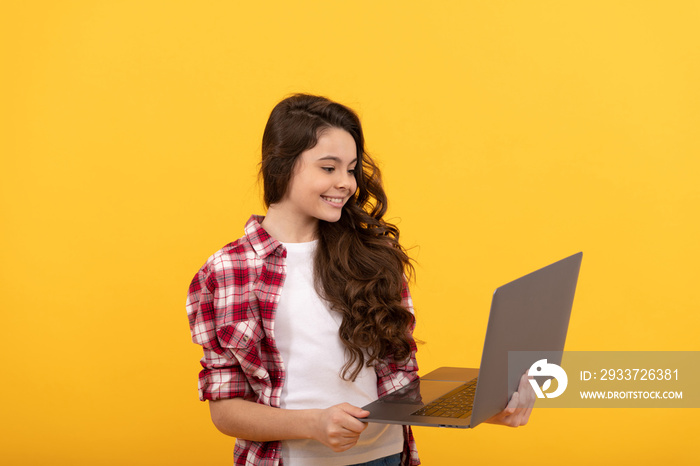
(518, 410)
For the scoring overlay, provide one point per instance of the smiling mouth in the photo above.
(336, 201)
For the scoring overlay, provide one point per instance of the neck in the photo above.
(288, 228)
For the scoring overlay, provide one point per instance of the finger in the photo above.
(526, 404)
(529, 397)
(345, 446)
(354, 426)
(526, 416)
(512, 404)
(349, 434)
(526, 393)
(528, 386)
(354, 411)
(350, 422)
(524, 384)
(515, 416)
(351, 425)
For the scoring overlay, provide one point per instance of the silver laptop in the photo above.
(528, 314)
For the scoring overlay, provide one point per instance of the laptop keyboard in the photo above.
(455, 404)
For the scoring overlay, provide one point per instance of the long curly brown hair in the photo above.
(360, 267)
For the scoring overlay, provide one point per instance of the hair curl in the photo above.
(360, 267)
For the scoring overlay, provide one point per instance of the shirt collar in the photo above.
(260, 240)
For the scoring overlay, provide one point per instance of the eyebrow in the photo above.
(336, 159)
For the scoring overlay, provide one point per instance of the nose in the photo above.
(346, 181)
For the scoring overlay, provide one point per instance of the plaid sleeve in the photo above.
(409, 456)
(221, 375)
(392, 375)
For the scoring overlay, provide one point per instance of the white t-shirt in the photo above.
(306, 334)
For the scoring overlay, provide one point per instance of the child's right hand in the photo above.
(338, 427)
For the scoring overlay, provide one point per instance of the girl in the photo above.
(308, 316)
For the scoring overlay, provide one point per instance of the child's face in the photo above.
(323, 178)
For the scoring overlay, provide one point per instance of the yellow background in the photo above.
(511, 134)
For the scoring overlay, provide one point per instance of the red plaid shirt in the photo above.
(231, 308)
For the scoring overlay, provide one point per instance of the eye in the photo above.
(351, 171)
(328, 169)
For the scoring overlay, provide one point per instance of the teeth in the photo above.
(335, 200)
